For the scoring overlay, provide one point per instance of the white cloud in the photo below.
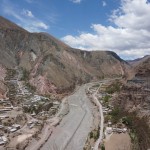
(133, 14)
(104, 3)
(25, 18)
(28, 13)
(41, 25)
(129, 36)
(76, 1)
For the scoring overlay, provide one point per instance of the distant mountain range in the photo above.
(135, 62)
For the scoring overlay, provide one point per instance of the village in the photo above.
(110, 126)
(23, 113)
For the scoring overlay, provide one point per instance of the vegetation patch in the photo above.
(115, 87)
(25, 75)
(106, 98)
(94, 134)
(103, 147)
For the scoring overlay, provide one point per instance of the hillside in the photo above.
(143, 67)
(137, 61)
(53, 66)
(134, 99)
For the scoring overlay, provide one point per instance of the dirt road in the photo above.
(101, 120)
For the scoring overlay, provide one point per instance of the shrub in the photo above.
(91, 135)
(31, 88)
(113, 88)
(107, 98)
(103, 147)
(25, 75)
(127, 120)
(116, 115)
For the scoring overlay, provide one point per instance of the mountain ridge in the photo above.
(7, 24)
(50, 63)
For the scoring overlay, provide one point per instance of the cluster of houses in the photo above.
(37, 98)
(37, 101)
(18, 92)
(3, 137)
(106, 110)
(32, 123)
(22, 90)
(13, 128)
(33, 100)
(3, 140)
(5, 105)
(110, 130)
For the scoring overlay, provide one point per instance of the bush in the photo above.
(31, 88)
(113, 88)
(25, 75)
(116, 115)
(106, 98)
(103, 147)
(127, 121)
(91, 135)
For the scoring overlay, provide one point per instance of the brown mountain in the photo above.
(137, 61)
(143, 67)
(140, 66)
(51, 64)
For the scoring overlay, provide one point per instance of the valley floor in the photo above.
(75, 126)
(68, 129)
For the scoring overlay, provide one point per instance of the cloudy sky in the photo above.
(122, 26)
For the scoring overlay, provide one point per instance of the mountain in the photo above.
(137, 61)
(53, 66)
(142, 68)
(6, 24)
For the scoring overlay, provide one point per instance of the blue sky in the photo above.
(119, 25)
(61, 16)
